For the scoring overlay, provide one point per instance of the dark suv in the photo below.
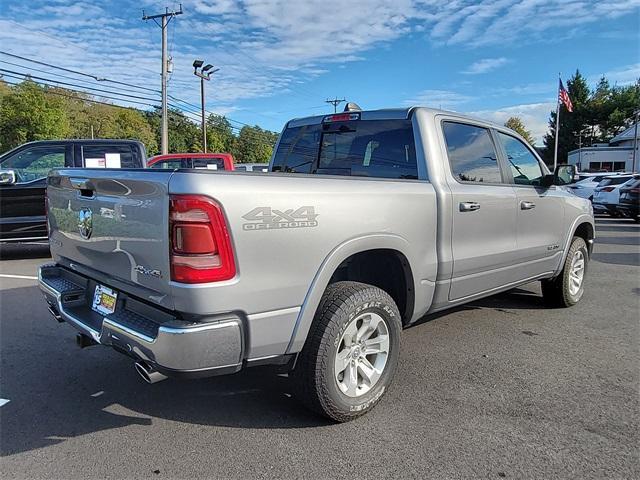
(23, 177)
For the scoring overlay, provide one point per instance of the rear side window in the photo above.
(366, 148)
(471, 152)
(108, 156)
(613, 181)
(297, 149)
(524, 166)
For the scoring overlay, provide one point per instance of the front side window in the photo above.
(524, 166)
(35, 162)
(108, 156)
(471, 152)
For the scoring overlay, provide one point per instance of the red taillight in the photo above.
(201, 248)
(634, 190)
(608, 189)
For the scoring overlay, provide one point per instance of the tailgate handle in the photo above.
(84, 185)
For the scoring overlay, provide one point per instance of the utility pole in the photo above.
(165, 18)
(204, 74)
(335, 102)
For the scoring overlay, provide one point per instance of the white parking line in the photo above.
(3, 402)
(25, 277)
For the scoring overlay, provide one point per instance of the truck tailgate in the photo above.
(114, 223)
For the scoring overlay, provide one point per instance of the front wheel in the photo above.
(351, 353)
(567, 288)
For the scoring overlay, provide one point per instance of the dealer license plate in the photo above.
(104, 300)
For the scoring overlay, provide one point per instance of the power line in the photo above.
(335, 102)
(85, 83)
(95, 77)
(25, 77)
(78, 97)
(28, 75)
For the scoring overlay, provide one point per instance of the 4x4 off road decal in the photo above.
(267, 218)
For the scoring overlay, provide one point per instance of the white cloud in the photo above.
(534, 116)
(485, 65)
(438, 99)
(266, 47)
(625, 75)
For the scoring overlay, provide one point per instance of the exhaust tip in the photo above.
(148, 373)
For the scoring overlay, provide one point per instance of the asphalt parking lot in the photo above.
(501, 388)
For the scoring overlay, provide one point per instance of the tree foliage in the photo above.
(598, 115)
(29, 111)
(515, 124)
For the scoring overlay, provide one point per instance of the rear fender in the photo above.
(329, 266)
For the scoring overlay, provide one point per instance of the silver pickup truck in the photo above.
(366, 222)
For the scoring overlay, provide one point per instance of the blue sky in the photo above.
(282, 59)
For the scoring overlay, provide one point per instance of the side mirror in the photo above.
(7, 177)
(564, 174)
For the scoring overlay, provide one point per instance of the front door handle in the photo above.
(469, 206)
(527, 205)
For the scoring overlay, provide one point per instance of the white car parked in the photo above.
(586, 186)
(607, 194)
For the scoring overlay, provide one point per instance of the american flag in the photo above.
(563, 96)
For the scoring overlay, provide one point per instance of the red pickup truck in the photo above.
(210, 161)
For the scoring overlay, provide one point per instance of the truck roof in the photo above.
(391, 114)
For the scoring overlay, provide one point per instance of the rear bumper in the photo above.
(173, 346)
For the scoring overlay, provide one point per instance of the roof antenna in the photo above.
(352, 107)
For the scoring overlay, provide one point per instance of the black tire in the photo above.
(317, 386)
(556, 292)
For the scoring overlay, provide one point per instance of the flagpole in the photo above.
(555, 150)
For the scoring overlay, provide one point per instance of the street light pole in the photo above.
(204, 74)
(204, 121)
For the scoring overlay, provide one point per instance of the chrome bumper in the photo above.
(144, 332)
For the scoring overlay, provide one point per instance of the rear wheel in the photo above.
(567, 288)
(351, 353)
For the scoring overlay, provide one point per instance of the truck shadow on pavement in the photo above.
(58, 391)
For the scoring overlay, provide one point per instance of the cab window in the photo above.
(169, 164)
(525, 168)
(108, 156)
(208, 163)
(35, 162)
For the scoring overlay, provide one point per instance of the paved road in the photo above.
(502, 388)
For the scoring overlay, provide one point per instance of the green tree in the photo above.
(28, 114)
(254, 145)
(184, 135)
(515, 124)
(220, 136)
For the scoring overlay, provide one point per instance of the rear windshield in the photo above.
(613, 181)
(365, 148)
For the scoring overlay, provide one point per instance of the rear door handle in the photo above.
(527, 205)
(469, 206)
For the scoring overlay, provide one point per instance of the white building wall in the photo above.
(607, 158)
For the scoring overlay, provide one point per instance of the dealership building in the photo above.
(617, 155)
